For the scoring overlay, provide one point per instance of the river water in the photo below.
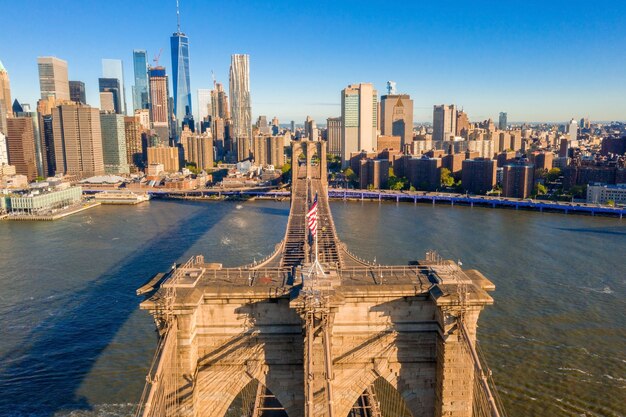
(74, 343)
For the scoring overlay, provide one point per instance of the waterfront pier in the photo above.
(289, 336)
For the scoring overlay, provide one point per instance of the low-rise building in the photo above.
(39, 201)
(603, 193)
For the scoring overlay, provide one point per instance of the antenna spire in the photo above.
(177, 16)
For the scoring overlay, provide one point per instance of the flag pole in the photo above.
(316, 251)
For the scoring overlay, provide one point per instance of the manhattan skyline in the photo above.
(536, 62)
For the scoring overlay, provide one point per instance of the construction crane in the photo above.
(157, 57)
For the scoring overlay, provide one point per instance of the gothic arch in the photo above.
(380, 398)
(255, 400)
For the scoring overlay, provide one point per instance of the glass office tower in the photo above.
(141, 97)
(113, 69)
(180, 76)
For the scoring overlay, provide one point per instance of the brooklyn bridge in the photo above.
(344, 337)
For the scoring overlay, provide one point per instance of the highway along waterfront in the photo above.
(74, 342)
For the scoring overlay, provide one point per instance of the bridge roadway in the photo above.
(297, 247)
(281, 338)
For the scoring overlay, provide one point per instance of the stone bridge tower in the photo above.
(312, 156)
(346, 338)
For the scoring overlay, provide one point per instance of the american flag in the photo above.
(312, 217)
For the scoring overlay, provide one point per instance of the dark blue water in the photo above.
(73, 342)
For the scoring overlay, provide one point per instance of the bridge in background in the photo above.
(281, 337)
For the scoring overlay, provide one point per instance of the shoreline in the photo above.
(51, 217)
(398, 197)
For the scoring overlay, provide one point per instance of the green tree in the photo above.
(370, 186)
(446, 179)
(610, 203)
(397, 184)
(286, 168)
(579, 191)
(191, 166)
(349, 173)
(411, 188)
(540, 189)
(553, 174)
(40, 178)
(350, 176)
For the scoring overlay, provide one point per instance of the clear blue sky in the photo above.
(538, 60)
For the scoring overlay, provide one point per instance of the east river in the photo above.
(73, 341)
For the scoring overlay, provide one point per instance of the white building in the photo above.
(602, 193)
(204, 103)
(572, 131)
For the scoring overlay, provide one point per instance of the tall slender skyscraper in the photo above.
(241, 111)
(53, 79)
(180, 72)
(159, 94)
(5, 90)
(359, 114)
(141, 97)
(113, 69)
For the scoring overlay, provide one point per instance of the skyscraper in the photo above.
(241, 111)
(334, 129)
(113, 86)
(114, 153)
(21, 146)
(113, 69)
(204, 103)
(396, 117)
(134, 147)
(5, 91)
(359, 116)
(77, 140)
(444, 122)
(219, 102)
(502, 122)
(53, 79)
(572, 130)
(77, 92)
(310, 128)
(180, 72)
(141, 97)
(46, 137)
(159, 93)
